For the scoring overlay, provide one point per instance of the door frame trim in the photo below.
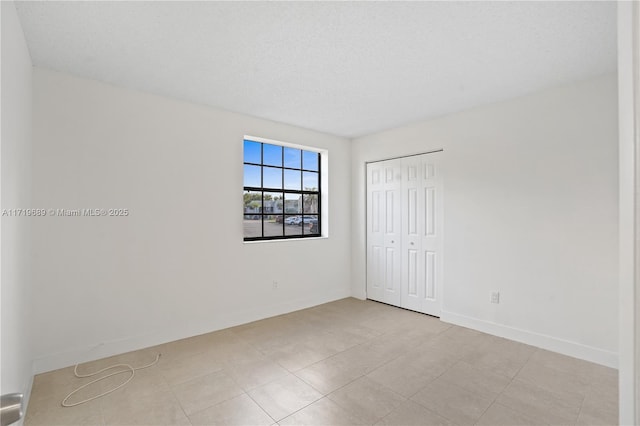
(399, 157)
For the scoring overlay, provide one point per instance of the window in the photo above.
(281, 192)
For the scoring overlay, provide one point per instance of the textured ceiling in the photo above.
(346, 68)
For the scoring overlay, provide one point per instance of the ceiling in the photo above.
(344, 68)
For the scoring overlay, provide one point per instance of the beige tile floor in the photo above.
(348, 362)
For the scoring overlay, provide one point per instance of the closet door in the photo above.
(422, 225)
(384, 228)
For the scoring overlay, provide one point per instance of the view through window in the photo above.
(281, 192)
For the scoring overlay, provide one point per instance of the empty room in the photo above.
(319, 213)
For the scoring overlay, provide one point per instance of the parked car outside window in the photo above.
(294, 220)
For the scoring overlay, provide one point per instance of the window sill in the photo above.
(286, 240)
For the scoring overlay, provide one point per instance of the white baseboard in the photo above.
(98, 350)
(565, 347)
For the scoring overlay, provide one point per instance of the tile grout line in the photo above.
(511, 380)
(261, 407)
(180, 404)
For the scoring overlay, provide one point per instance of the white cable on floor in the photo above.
(129, 369)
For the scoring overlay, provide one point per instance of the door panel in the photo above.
(412, 211)
(412, 273)
(375, 211)
(390, 212)
(432, 241)
(384, 232)
(423, 244)
(393, 232)
(430, 211)
(390, 269)
(430, 275)
(377, 268)
(412, 225)
(375, 240)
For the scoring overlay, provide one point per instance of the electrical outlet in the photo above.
(495, 297)
(275, 285)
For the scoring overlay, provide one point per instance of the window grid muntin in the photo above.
(284, 191)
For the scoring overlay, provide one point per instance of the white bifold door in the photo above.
(404, 232)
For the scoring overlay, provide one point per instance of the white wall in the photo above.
(530, 210)
(629, 315)
(177, 266)
(16, 191)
